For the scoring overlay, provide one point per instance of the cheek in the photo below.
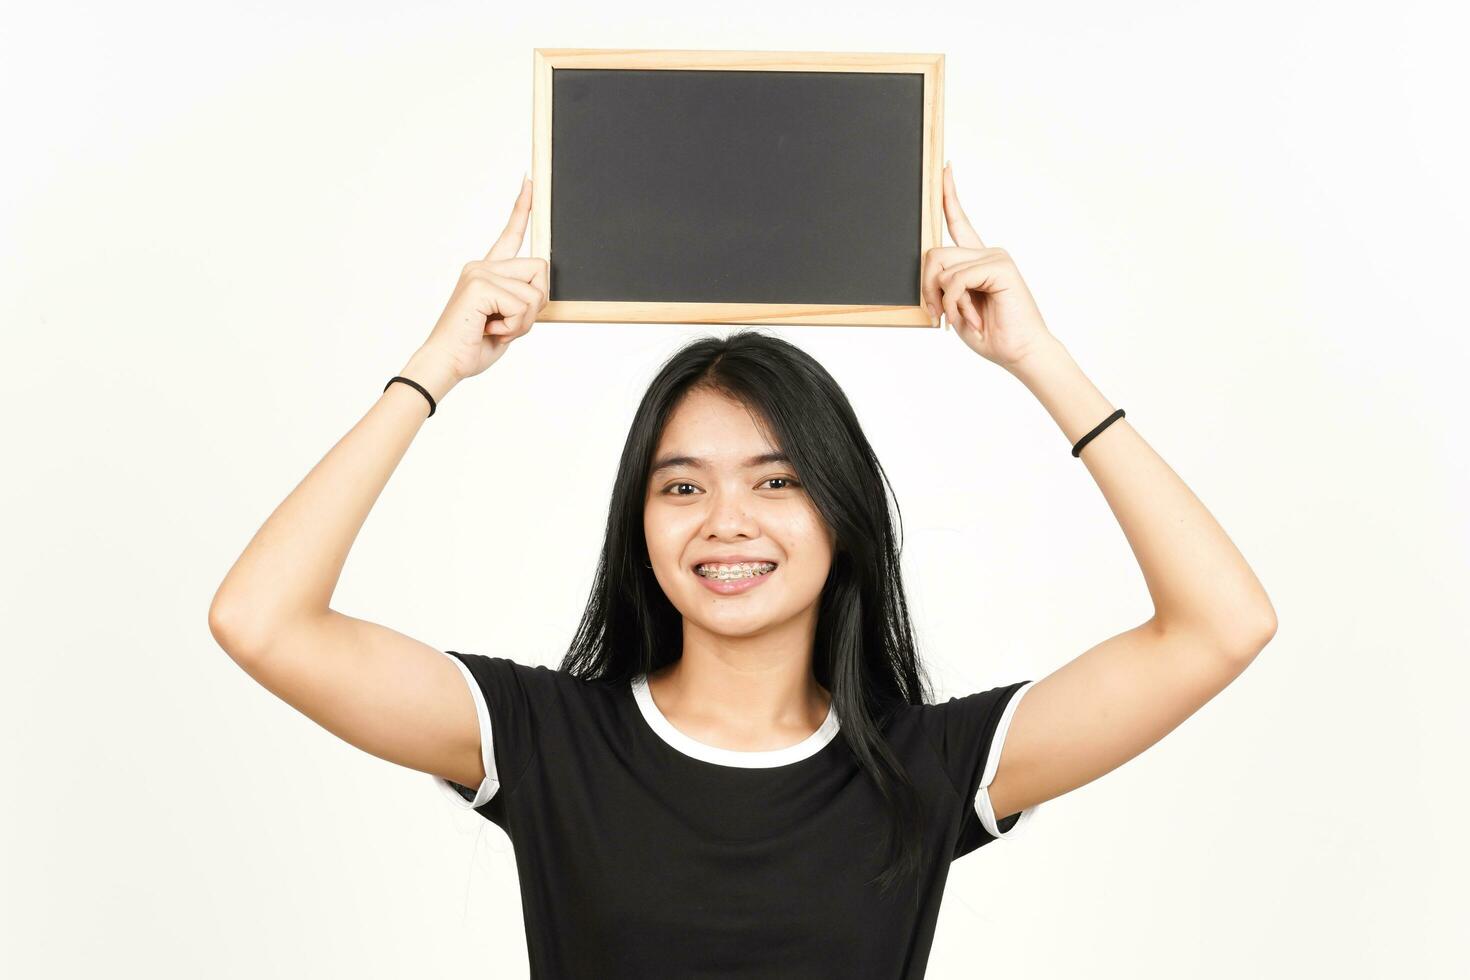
(810, 537)
(669, 538)
(807, 546)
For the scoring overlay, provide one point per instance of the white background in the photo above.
(224, 226)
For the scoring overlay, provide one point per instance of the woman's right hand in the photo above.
(496, 300)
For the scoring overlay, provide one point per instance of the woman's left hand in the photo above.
(981, 291)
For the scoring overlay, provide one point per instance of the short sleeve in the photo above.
(969, 735)
(505, 715)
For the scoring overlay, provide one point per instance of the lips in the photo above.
(734, 586)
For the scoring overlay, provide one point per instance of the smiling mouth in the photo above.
(734, 573)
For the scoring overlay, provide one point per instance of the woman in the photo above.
(736, 769)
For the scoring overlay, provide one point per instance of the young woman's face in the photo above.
(719, 504)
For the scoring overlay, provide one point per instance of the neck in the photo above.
(727, 695)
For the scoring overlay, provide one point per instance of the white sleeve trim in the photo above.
(491, 782)
(992, 763)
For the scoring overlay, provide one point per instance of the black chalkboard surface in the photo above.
(736, 186)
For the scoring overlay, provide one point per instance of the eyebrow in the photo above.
(670, 462)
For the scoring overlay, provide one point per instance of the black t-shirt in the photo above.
(644, 853)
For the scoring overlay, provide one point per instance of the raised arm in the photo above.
(1211, 615)
(386, 693)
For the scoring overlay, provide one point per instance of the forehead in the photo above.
(716, 421)
(709, 426)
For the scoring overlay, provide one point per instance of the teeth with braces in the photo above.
(727, 572)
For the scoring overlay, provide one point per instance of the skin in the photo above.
(744, 680)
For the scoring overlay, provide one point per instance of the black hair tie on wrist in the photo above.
(421, 388)
(1077, 449)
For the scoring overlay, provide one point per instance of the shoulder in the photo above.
(959, 729)
(980, 708)
(536, 684)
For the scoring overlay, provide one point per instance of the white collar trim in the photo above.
(762, 759)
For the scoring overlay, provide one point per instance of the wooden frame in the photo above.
(931, 66)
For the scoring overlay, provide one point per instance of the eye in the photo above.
(782, 479)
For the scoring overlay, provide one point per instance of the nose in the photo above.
(729, 517)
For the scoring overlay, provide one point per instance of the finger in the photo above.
(957, 280)
(530, 295)
(492, 300)
(525, 269)
(952, 295)
(960, 229)
(509, 242)
(513, 319)
(985, 274)
(928, 292)
(538, 278)
(936, 260)
(968, 310)
(531, 270)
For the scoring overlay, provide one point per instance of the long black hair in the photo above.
(864, 653)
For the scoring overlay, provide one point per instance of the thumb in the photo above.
(960, 229)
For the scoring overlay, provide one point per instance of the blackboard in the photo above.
(736, 186)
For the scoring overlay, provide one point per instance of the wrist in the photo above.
(1038, 361)
(432, 370)
(1064, 390)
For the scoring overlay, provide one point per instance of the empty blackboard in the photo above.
(736, 186)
